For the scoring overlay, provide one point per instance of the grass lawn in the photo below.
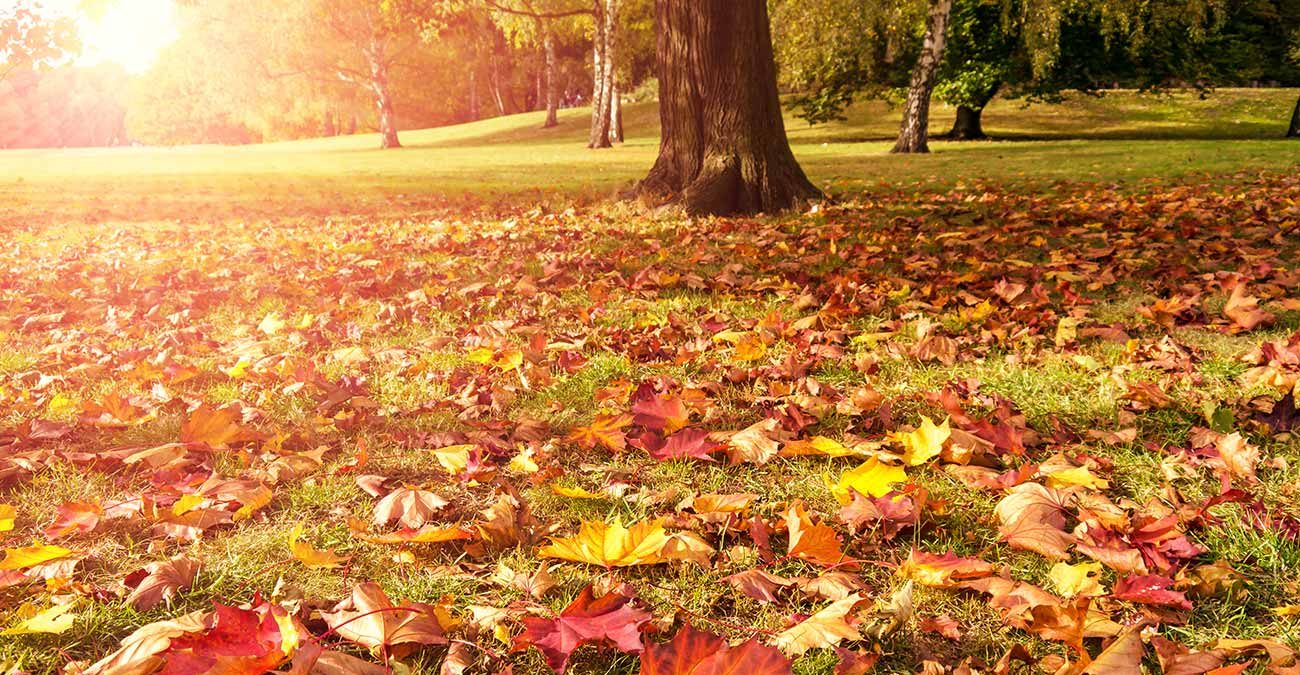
(1119, 137)
(206, 347)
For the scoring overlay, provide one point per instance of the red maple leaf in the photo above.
(693, 652)
(609, 619)
(239, 641)
(1150, 589)
(685, 444)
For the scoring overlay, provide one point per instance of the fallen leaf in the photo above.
(611, 619)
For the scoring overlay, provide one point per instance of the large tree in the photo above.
(913, 132)
(723, 148)
(31, 36)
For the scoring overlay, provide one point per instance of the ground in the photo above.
(206, 347)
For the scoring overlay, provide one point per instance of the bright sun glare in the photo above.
(129, 33)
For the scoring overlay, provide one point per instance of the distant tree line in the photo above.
(248, 70)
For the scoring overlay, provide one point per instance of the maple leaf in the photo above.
(309, 555)
(1073, 580)
(1244, 310)
(236, 642)
(929, 569)
(54, 619)
(1033, 519)
(74, 518)
(923, 444)
(943, 625)
(1150, 589)
(610, 544)
(409, 506)
(693, 652)
(29, 556)
(813, 542)
(758, 584)
(160, 581)
(8, 515)
(611, 619)
(661, 412)
(754, 443)
(685, 444)
(216, 428)
(819, 446)
(368, 618)
(872, 478)
(606, 430)
(1121, 657)
(823, 629)
(429, 534)
(1239, 456)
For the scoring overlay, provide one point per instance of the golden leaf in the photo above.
(611, 544)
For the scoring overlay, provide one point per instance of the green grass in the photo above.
(1120, 137)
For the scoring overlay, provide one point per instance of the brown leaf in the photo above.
(160, 581)
(411, 507)
(371, 620)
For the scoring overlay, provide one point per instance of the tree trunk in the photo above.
(723, 148)
(914, 132)
(496, 87)
(967, 126)
(615, 114)
(552, 85)
(473, 95)
(1294, 131)
(383, 96)
(602, 69)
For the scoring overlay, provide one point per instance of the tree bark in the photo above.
(723, 148)
(913, 134)
(383, 96)
(473, 95)
(1294, 131)
(552, 85)
(968, 125)
(615, 114)
(496, 86)
(602, 69)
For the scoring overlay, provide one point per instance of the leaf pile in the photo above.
(946, 433)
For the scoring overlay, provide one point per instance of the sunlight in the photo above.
(129, 33)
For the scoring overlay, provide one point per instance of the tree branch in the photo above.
(494, 5)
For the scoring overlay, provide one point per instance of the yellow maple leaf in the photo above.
(271, 324)
(27, 556)
(1074, 580)
(872, 478)
(523, 462)
(925, 443)
(611, 544)
(53, 619)
(575, 492)
(817, 445)
(310, 555)
(454, 458)
(1079, 475)
(749, 347)
(8, 514)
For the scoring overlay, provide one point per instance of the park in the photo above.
(619, 336)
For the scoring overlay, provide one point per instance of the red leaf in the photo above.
(692, 652)
(1150, 589)
(685, 444)
(239, 641)
(609, 619)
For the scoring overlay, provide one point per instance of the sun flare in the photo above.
(130, 33)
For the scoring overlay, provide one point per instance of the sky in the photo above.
(129, 33)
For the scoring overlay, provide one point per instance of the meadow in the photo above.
(1024, 401)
